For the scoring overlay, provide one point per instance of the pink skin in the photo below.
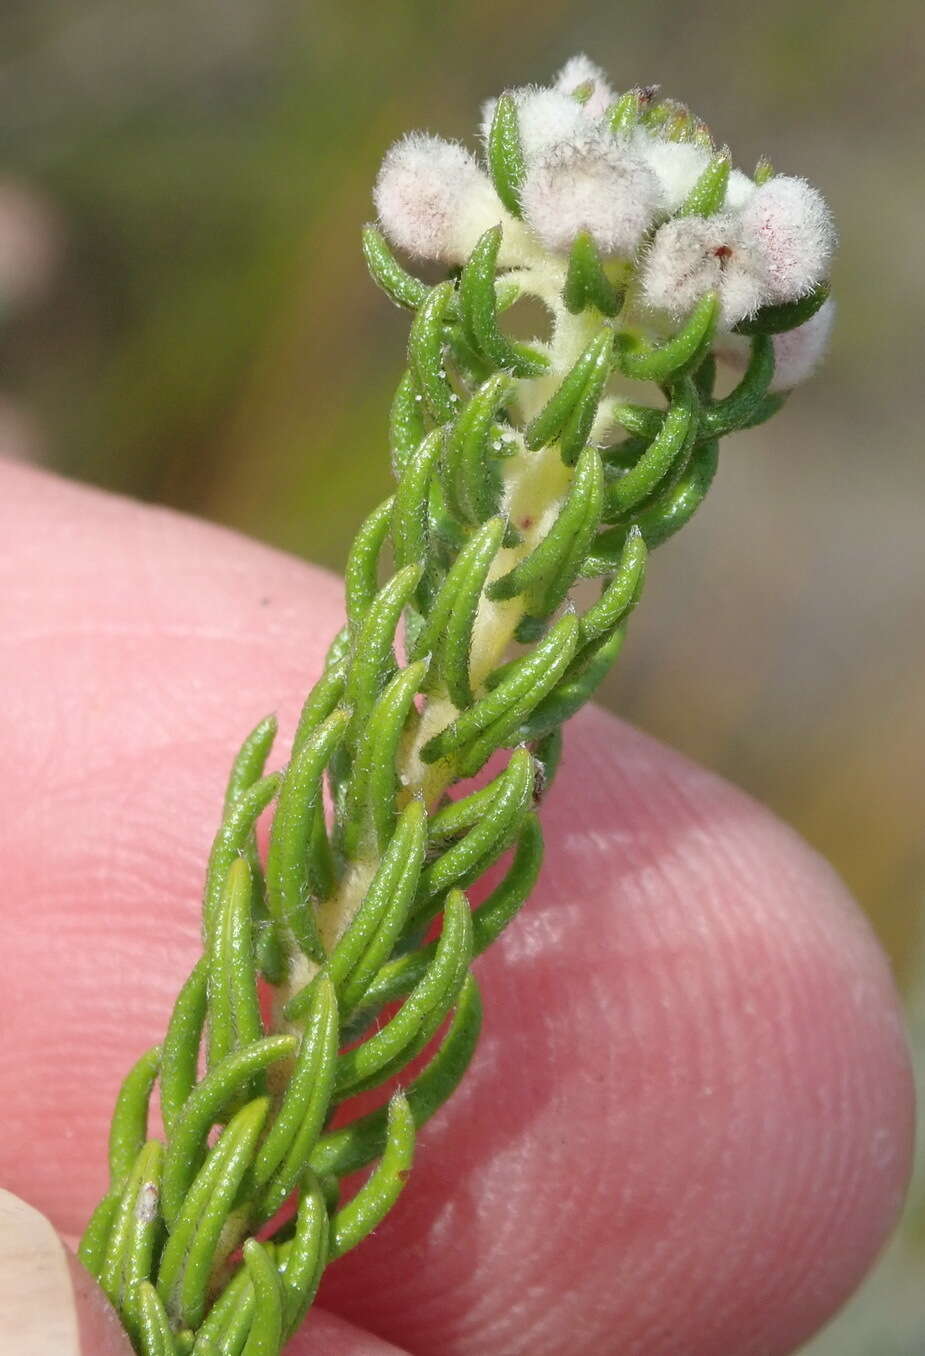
(688, 1125)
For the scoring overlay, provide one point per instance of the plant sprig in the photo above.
(465, 646)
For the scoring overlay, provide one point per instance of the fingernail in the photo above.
(52, 1305)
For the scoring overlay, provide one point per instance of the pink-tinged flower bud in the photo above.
(594, 184)
(690, 256)
(797, 353)
(579, 71)
(545, 117)
(677, 165)
(789, 232)
(433, 199)
(684, 262)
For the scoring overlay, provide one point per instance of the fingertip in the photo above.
(99, 1331)
(775, 1024)
(47, 1298)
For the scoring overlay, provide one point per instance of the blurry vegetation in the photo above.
(211, 341)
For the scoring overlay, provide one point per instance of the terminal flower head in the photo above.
(624, 172)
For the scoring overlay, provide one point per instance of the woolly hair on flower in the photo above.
(677, 165)
(545, 118)
(587, 83)
(789, 229)
(798, 352)
(339, 966)
(426, 190)
(590, 184)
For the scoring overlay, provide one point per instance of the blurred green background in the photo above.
(186, 319)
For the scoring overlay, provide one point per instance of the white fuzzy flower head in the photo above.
(579, 71)
(788, 230)
(592, 184)
(690, 256)
(798, 352)
(433, 200)
(677, 165)
(545, 117)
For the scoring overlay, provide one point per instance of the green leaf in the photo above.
(234, 1005)
(266, 1333)
(764, 171)
(284, 1154)
(306, 1256)
(425, 351)
(320, 703)
(662, 517)
(296, 871)
(707, 196)
(371, 935)
(681, 354)
(471, 481)
(666, 454)
(397, 1042)
(640, 420)
(488, 921)
(154, 1332)
(460, 864)
(447, 634)
(135, 1229)
(545, 576)
(669, 513)
(231, 842)
(447, 824)
(181, 1044)
(705, 378)
(249, 765)
(766, 408)
(577, 686)
(353, 1146)
(475, 734)
(736, 409)
(478, 308)
(225, 1328)
(361, 577)
(787, 316)
(621, 594)
(398, 285)
(206, 1106)
(625, 114)
(411, 511)
(505, 154)
(129, 1129)
(379, 1193)
(406, 421)
(373, 659)
(95, 1239)
(577, 428)
(248, 768)
(192, 1249)
(586, 283)
(566, 412)
(369, 807)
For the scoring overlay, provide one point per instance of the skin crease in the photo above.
(688, 1125)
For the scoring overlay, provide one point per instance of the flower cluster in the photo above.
(776, 247)
(641, 180)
